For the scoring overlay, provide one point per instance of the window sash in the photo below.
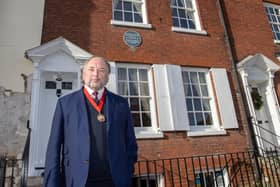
(198, 102)
(273, 15)
(139, 98)
(183, 14)
(210, 178)
(128, 11)
(147, 180)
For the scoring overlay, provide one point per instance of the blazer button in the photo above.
(86, 161)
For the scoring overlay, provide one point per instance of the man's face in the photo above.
(96, 74)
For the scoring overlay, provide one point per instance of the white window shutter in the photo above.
(224, 97)
(112, 83)
(162, 97)
(170, 98)
(177, 97)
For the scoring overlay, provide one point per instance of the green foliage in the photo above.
(257, 100)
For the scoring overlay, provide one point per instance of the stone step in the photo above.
(35, 182)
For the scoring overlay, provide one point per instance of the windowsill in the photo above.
(276, 41)
(147, 133)
(206, 132)
(192, 31)
(131, 24)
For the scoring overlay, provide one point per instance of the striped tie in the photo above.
(95, 96)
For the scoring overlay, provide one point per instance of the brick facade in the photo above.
(87, 24)
(251, 32)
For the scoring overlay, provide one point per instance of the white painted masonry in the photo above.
(21, 29)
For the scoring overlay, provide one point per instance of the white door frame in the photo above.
(259, 70)
(58, 55)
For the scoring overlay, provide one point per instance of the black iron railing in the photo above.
(25, 159)
(14, 172)
(2, 169)
(265, 140)
(231, 169)
(8, 168)
(250, 168)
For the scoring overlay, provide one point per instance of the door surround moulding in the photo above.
(58, 55)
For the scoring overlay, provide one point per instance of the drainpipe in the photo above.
(231, 51)
(230, 47)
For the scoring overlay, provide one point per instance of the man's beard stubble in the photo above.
(96, 88)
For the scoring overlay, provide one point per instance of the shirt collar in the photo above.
(90, 91)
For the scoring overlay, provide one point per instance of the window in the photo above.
(66, 85)
(50, 85)
(186, 100)
(133, 84)
(185, 16)
(147, 181)
(197, 97)
(130, 13)
(210, 178)
(128, 10)
(273, 14)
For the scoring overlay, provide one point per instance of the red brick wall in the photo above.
(277, 2)
(251, 32)
(177, 144)
(87, 24)
(250, 29)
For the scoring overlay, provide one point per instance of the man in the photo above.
(92, 143)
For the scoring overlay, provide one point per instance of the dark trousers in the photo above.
(100, 183)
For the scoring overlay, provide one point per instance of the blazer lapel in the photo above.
(109, 109)
(83, 124)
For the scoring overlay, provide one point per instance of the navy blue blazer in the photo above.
(68, 152)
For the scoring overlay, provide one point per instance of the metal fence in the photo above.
(230, 169)
(9, 168)
(14, 172)
(2, 170)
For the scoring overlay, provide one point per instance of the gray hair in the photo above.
(86, 62)
(102, 58)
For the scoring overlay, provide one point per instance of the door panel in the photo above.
(53, 85)
(263, 122)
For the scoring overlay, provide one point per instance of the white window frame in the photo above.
(198, 29)
(214, 129)
(269, 5)
(144, 24)
(158, 177)
(223, 172)
(144, 132)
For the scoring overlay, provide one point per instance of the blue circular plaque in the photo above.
(132, 38)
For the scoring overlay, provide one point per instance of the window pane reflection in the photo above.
(122, 88)
(133, 88)
(134, 85)
(132, 74)
(145, 104)
(143, 75)
(136, 119)
(122, 74)
(144, 89)
(146, 118)
(134, 104)
(197, 98)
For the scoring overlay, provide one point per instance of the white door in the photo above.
(53, 85)
(263, 121)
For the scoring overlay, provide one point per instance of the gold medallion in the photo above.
(101, 118)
